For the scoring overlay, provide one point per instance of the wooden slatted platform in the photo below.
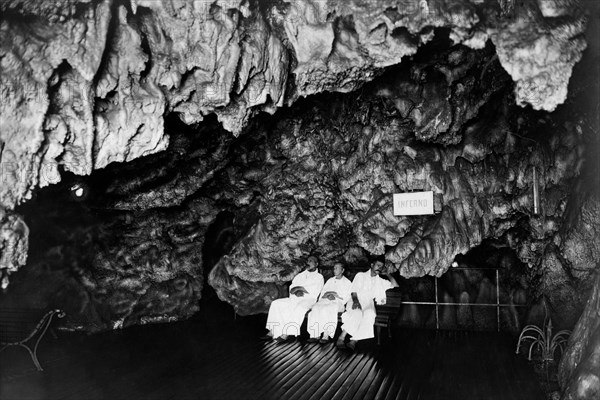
(205, 360)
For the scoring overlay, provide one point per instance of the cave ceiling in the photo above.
(295, 120)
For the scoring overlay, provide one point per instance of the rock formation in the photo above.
(568, 265)
(579, 373)
(86, 83)
(14, 236)
(166, 105)
(324, 185)
(110, 270)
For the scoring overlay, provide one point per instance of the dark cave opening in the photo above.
(76, 223)
(219, 239)
(468, 292)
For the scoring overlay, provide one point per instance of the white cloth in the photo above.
(311, 281)
(286, 315)
(359, 323)
(323, 315)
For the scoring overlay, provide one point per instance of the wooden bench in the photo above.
(387, 313)
(25, 327)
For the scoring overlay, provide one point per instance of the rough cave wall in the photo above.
(132, 268)
(86, 83)
(579, 372)
(315, 180)
(325, 183)
(568, 263)
(117, 258)
(319, 178)
(312, 183)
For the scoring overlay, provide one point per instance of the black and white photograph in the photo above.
(300, 199)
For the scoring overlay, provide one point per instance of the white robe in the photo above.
(359, 323)
(286, 314)
(323, 315)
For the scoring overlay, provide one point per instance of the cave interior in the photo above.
(188, 209)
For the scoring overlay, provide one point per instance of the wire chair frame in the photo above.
(41, 328)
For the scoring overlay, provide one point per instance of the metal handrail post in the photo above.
(498, 300)
(437, 317)
(439, 303)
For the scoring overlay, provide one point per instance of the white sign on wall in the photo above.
(416, 203)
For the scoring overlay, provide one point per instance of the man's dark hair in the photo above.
(380, 258)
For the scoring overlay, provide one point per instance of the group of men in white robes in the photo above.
(356, 300)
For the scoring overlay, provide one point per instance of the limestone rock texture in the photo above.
(112, 270)
(33, 49)
(323, 181)
(549, 43)
(88, 83)
(14, 240)
(579, 370)
(569, 264)
(164, 109)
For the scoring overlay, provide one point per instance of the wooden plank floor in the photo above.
(219, 358)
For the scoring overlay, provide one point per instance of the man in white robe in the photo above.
(323, 316)
(286, 314)
(358, 320)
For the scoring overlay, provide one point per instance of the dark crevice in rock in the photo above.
(220, 237)
(144, 43)
(109, 39)
(402, 34)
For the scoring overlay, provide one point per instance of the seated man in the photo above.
(286, 314)
(359, 318)
(322, 318)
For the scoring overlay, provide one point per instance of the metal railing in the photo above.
(438, 303)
